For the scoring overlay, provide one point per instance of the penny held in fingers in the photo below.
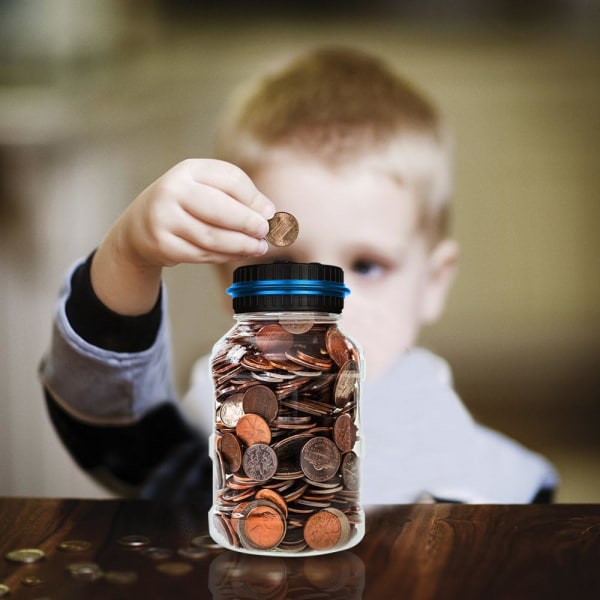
(283, 229)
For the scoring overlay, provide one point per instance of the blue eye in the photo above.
(367, 268)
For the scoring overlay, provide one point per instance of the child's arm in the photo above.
(200, 211)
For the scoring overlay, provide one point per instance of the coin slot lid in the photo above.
(286, 285)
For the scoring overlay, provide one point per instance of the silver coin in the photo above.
(4, 590)
(25, 555)
(155, 553)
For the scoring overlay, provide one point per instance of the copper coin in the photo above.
(273, 340)
(231, 450)
(273, 497)
(344, 432)
(261, 400)
(253, 429)
(350, 472)
(320, 459)
(262, 526)
(346, 383)
(232, 410)
(283, 229)
(337, 346)
(260, 462)
(326, 529)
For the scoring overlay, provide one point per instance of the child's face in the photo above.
(366, 223)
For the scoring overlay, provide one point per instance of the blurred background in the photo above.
(98, 98)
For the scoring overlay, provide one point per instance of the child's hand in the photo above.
(200, 211)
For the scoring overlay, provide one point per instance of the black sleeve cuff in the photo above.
(104, 328)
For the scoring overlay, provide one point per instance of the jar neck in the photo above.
(317, 317)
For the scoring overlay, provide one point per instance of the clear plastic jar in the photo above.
(286, 444)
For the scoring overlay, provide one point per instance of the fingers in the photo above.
(229, 179)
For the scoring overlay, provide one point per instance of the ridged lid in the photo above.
(288, 286)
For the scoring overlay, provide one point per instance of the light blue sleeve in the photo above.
(101, 386)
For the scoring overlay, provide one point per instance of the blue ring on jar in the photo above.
(288, 287)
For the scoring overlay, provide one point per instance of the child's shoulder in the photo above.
(423, 363)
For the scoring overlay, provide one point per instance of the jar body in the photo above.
(286, 444)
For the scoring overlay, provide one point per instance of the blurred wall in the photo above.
(82, 135)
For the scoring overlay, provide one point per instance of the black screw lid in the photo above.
(288, 286)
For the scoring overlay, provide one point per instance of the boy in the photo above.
(340, 141)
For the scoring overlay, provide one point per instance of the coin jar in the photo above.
(286, 445)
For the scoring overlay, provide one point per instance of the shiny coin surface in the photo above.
(4, 590)
(74, 546)
(283, 229)
(231, 450)
(134, 541)
(325, 530)
(320, 459)
(273, 340)
(25, 555)
(253, 429)
(261, 400)
(232, 410)
(260, 462)
(175, 569)
(262, 526)
(344, 432)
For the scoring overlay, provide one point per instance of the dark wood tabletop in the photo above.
(409, 551)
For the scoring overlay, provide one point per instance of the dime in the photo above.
(319, 459)
(283, 229)
(273, 340)
(232, 410)
(25, 555)
(344, 432)
(260, 462)
(262, 526)
(134, 541)
(231, 450)
(74, 546)
(261, 400)
(175, 569)
(253, 429)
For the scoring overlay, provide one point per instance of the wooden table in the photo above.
(410, 551)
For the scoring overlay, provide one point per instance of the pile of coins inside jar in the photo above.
(287, 479)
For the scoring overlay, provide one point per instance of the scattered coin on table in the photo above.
(25, 555)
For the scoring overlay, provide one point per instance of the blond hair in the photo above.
(341, 105)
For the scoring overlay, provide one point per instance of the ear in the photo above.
(442, 267)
